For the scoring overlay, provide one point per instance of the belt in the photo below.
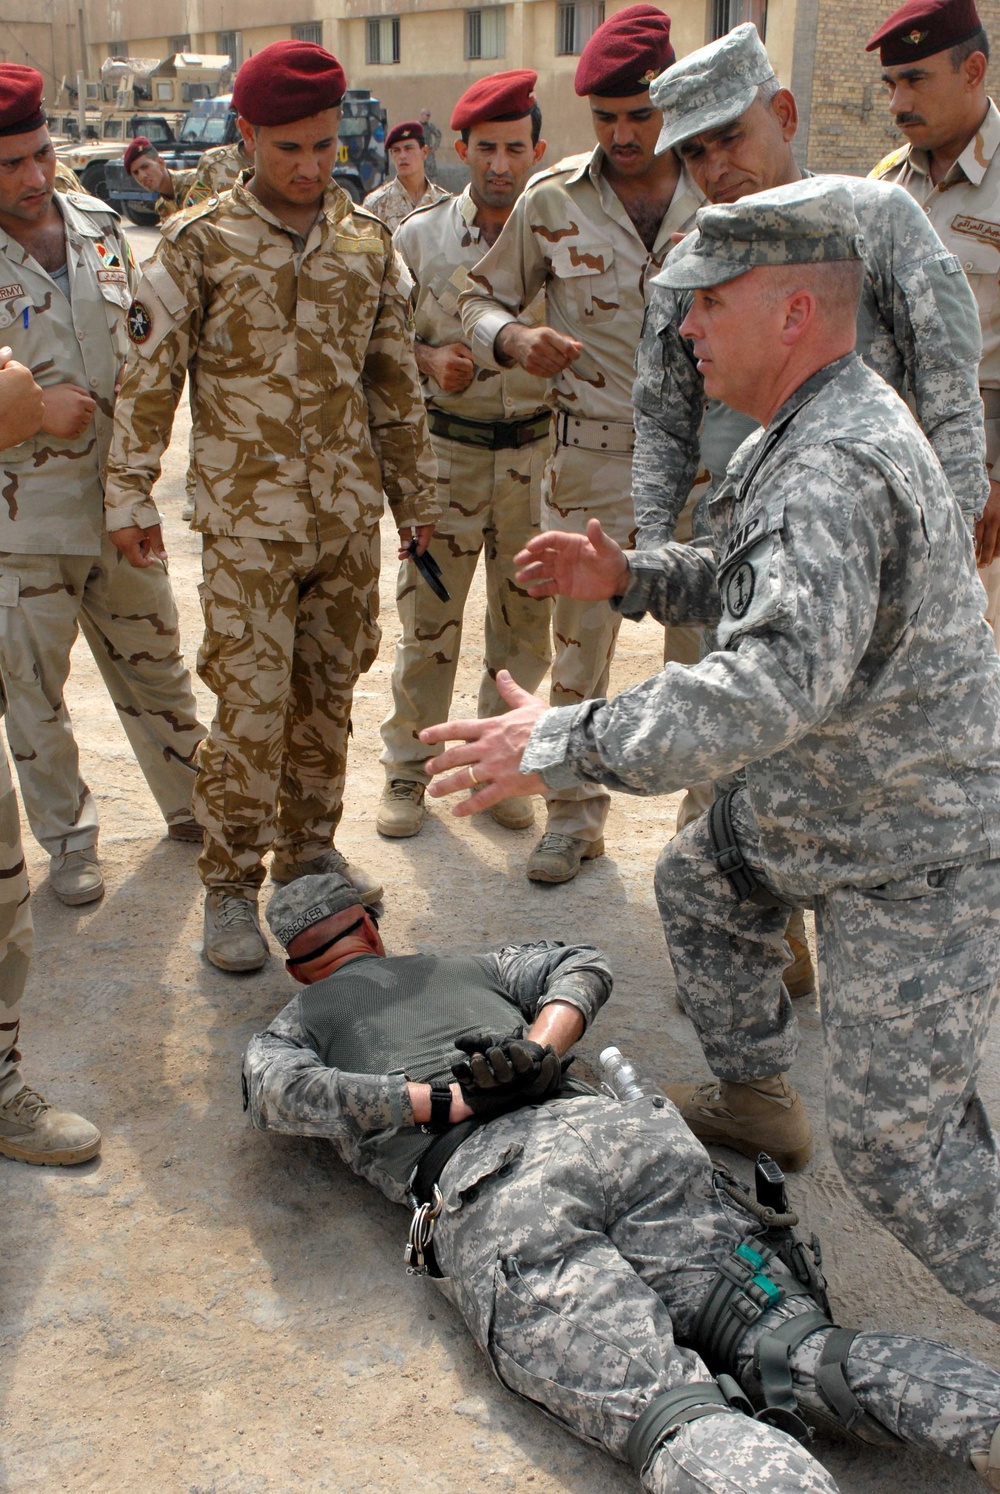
(594, 435)
(491, 435)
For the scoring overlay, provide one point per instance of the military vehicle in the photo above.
(90, 158)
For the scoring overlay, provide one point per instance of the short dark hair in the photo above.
(977, 42)
(535, 117)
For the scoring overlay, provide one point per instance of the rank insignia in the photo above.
(139, 323)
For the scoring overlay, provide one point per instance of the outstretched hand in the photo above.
(488, 758)
(589, 568)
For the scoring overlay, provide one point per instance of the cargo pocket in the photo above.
(233, 660)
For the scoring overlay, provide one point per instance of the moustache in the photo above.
(910, 119)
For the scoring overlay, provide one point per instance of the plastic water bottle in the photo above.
(622, 1080)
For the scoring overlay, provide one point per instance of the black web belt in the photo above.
(726, 852)
(490, 435)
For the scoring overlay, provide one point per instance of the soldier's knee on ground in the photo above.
(727, 1454)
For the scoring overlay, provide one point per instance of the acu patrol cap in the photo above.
(711, 87)
(306, 901)
(922, 27)
(807, 222)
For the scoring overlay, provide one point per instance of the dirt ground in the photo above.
(207, 1309)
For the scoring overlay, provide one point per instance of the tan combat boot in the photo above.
(556, 858)
(368, 888)
(186, 829)
(401, 809)
(233, 937)
(31, 1130)
(77, 877)
(514, 814)
(799, 977)
(762, 1116)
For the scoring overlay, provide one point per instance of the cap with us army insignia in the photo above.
(807, 222)
(922, 27)
(711, 87)
(307, 901)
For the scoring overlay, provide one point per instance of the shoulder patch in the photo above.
(888, 162)
(176, 224)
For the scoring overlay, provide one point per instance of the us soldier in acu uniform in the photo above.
(282, 302)
(65, 276)
(489, 429)
(848, 618)
(934, 55)
(409, 189)
(601, 1267)
(590, 233)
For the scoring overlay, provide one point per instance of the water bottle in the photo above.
(622, 1080)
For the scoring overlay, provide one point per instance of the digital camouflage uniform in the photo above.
(16, 934)
(849, 641)
(59, 571)
(392, 203)
(578, 1238)
(570, 235)
(305, 406)
(489, 499)
(964, 208)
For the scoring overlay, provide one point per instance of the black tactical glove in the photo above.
(505, 1071)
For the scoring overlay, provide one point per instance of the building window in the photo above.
(729, 13)
(117, 49)
(486, 33)
(179, 43)
(382, 40)
(576, 25)
(230, 44)
(309, 31)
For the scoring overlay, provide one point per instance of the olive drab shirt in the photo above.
(439, 246)
(51, 488)
(392, 203)
(570, 235)
(305, 398)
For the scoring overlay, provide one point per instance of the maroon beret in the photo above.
(20, 99)
(286, 81)
(411, 129)
(625, 54)
(500, 96)
(140, 146)
(922, 27)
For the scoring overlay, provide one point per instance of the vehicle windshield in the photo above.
(349, 128)
(211, 131)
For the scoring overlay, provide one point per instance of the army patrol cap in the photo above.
(711, 87)
(807, 222)
(307, 901)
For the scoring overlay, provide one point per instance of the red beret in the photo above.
(922, 27)
(500, 96)
(411, 129)
(286, 81)
(625, 54)
(20, 99)
(140, 146)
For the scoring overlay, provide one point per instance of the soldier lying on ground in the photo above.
(596, 1260)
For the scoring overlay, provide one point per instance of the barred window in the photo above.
(180, 43)
(729, 13)
(117, 49)
(382, 39)
(576, 24)
(486, 33)
(309, 31)
(230, 44)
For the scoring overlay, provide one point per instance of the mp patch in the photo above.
(139, 323)
(740, 589)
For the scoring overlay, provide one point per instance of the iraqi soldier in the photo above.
(934, 58)
(65, 277)
(489, 429)
(840, 581)
(144, 165)
(283, 303)
(31, 1130)
(218, 171)
(409, 188)
(596, 1260)
(589, 233)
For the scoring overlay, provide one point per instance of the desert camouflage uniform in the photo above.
(578, 1240)
(392, 203)
(166, 207)
(59, 571)
(570, 235)
(917, 327)
(489, 498)
(965, 209)
(850, 640)
(67, 180)
(16, 934)
(217, 172)
(305, 405)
